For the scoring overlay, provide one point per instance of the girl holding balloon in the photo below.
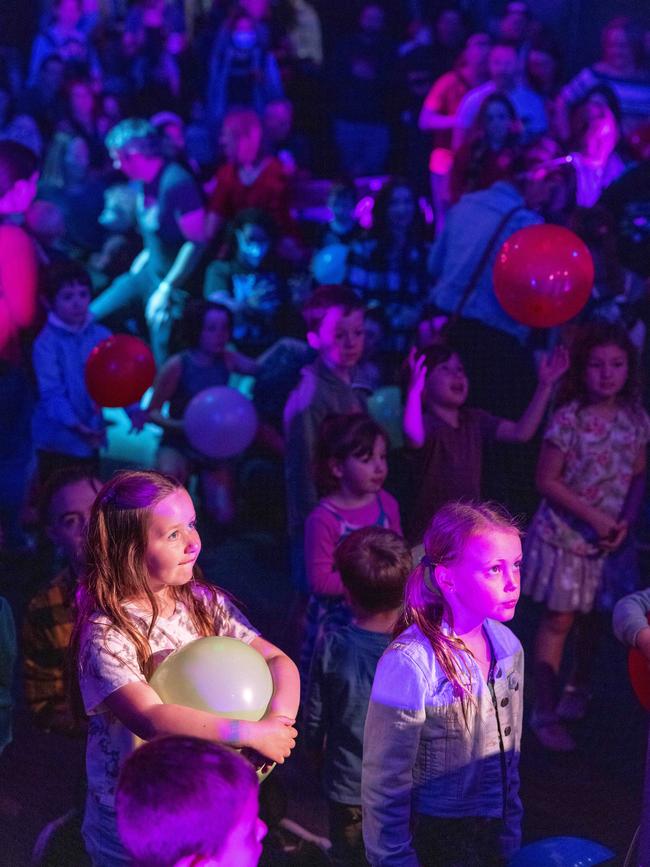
(142, 598)
(591, 473)
(205, 364)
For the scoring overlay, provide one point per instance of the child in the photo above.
(374, 564)
(143, 597)
(350, 471)
(442, 735)
(206, 364)
(343, 226)
(64, 512)
(185, 801)
(247, 281)
(68, 427)
(334, 319)
(591, 473)
(451, 435)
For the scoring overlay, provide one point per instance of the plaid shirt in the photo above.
(47, 629)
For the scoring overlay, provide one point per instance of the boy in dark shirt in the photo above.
(374, 564)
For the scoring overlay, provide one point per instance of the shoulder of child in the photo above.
(508, 643)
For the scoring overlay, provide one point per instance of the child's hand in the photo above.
(273, 737)
(138, 417)
(553, 366)
(94, 438)
(605, 526)
(615, 539)
(418, 371)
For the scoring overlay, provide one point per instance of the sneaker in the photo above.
(573, 703)
(551, 734)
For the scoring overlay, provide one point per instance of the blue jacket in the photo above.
(421, 756)
(59, 356)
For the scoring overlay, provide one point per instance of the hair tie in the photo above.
(425, 560)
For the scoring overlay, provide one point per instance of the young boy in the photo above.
(374, 564)
(68, 427)
(334, 316)
(64, 511)
(187, 802)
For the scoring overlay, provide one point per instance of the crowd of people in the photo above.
(307, 202)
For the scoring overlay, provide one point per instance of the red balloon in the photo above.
(119, 370)
(543, 275)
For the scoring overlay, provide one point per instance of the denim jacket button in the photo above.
(504, 702)
(507, 731)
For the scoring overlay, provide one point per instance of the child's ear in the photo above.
(443, 577)
(335, 468)
(313, 340)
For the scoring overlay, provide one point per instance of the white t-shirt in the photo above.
(108, 661)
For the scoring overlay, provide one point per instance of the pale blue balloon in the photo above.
(561, 852)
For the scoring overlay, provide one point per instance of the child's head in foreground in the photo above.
(468, 574)
(187, 802)
(334, 316)
(67, 290)
(374, 564)
(446, 381)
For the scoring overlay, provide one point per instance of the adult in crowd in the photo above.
(66, 37)
(621, 69)
(171, 220)
(505, 78)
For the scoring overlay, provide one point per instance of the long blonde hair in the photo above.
(424, 604)
(116, 569)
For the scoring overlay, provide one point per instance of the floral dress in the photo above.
(563, 566)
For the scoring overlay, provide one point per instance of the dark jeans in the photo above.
(466, 842)
(346, 836)
(129, 288)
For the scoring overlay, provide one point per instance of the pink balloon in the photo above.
(220, 422)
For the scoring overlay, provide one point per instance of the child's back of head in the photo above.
(374, 564)
(181, 800)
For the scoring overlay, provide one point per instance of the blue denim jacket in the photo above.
(420, 756)
(631, 616)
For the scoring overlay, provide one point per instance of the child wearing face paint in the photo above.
(440, 777)
(350, 468)
(247, 282)
(450, 436)
(591, 473)
(186, 802)
(142, 597)
(205, 364)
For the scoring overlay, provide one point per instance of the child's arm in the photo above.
(550, 485)
(630, 621)
(164, 388)
(239, 363)
(396, 714)
(286, 681)
(413, 423)
(551, 368)
(320, 541)
(140, 709)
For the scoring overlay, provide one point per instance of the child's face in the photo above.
(252, 244)
(244, 843)
(446, 384)
(364, 475)
(483, 581)
(69, 515)
(71, 304)
(340, 338)
(173, 543)
(606, 372)
(215, 334)
(342, 207)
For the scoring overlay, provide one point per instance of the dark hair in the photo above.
(64, 273)
(179, 796)
(437, 353)
(137, 135)
(56, 482)
(380, 227)
(587, 338)
(194, 318)
(323, 299)
(578, 117)
(343, 188)
(374, 564)
(248, 217)
(340, 437)
(17, 163)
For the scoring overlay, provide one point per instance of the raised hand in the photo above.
(553, 365)
(417, 371)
